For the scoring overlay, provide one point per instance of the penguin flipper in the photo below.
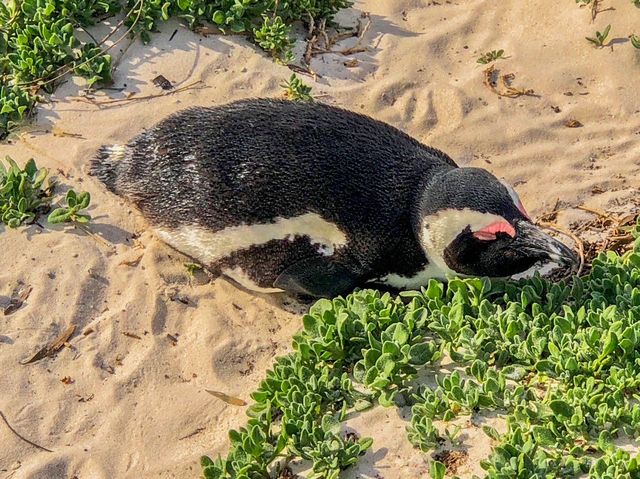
(317, 276)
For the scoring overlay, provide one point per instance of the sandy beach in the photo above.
(127, 398)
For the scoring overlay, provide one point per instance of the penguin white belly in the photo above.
(210, 246)
(421, 278)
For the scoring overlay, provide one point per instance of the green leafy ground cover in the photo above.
(24, 196)
(71, 213)
(295, 89)
(561, 361)
(41, 41)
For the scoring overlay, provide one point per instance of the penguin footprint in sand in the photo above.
(315, 200)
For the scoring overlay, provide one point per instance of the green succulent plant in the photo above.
(295, 89)
(22, 195)
(15, 106)
(600, 37)
(491, 56)
(71, 213)
(273, 36)
(192, 268)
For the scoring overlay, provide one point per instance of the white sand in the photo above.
(137, 407)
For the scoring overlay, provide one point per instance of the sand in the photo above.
(136, 405)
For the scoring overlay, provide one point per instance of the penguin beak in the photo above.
(531, 239)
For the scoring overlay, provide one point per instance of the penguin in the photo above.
(314, 200)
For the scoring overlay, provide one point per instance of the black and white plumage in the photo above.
(316, 200)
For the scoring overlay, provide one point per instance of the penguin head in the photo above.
(472, 224)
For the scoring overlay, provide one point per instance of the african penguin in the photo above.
(315, 200)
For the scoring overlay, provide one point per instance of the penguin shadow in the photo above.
(297, 305)
(112, 234)
(108, 233)
(291, 304)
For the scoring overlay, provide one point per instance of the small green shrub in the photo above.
(635, 40)
(491, 56)
(295, 89)
(23, 198)
(15, 106)
(71, 213)
(600, 37)
(192, 268)
(273, 36)
(21, 194)
(93, 65)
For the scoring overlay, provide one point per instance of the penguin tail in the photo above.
(104, 165)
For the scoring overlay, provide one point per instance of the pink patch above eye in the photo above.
(488, 233)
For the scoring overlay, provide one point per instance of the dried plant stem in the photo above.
(601, 213)
(137, 98)
(17, 434)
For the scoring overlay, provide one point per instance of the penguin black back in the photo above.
(264, 158)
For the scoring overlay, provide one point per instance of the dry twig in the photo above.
(136, 98)
(16, 302)
(595, 211)
(595, 10)
(31, 443)
(329, 42)
(226, 398)
(53, 347)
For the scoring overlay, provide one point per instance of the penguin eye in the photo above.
(490, 232)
